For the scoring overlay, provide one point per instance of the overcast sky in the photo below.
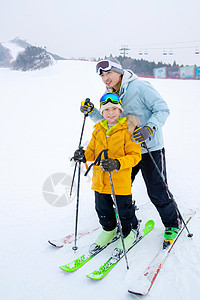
(93, 28)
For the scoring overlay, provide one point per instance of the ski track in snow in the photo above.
(40, 125)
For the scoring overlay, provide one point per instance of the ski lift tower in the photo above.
(124, 50)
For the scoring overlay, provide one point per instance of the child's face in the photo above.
(111, 79)
(111, 114)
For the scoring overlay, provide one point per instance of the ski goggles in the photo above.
(109, 97)
(106, 65)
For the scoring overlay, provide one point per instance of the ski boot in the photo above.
(128, 243)
(169, 236)
(103, 239)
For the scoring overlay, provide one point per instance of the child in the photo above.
(112, 133)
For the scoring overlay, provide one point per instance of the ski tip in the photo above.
(149, 226)
(91, 276)
(65, 268)
(150, 223)
(94, 276)
(54, 244)
(137, 293)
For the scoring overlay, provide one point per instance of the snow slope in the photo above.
(40, 125)
(14, 49)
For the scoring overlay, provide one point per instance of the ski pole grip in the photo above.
(87, 100)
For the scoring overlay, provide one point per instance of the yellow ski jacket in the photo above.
(120, 146)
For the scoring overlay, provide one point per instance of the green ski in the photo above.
(112, 261)
(80, 261)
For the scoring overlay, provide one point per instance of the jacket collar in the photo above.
(104, 124)
(126, 78)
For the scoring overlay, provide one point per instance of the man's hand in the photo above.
(86, 107)
(141, 134)
(110, 164)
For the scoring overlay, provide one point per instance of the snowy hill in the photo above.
(9, 51)
(13, 48)
(40, 125)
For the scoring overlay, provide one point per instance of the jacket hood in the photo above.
(104, 124)
(132, 123)
(128, 76)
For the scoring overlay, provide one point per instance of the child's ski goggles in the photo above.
(106, 65)
(109, 97)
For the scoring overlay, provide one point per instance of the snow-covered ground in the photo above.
(40, 126)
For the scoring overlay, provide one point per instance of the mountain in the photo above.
(9, 51)
(5, 56)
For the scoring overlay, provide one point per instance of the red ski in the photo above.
(143, 285)
(68, 239)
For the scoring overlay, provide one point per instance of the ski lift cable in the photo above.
(183, 47)
(167, 43)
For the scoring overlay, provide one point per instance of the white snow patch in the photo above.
(40, 126)
(14, 49)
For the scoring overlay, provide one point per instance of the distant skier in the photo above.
(141, 99)
(112, 134)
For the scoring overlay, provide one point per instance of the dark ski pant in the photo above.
(156, 189)
(106, 213)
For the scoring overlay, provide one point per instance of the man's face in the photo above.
(111, 79)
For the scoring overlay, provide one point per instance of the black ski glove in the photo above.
(79, 155)
(86, 107)
(141, 134)
(110, 164)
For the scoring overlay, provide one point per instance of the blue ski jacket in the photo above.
(140, 99)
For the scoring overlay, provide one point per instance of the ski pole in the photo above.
(117, 212)
(77, 208)
(144, 145)
(85, 115)
(78, 187)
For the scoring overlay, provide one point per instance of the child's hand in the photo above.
(79, 155)
(110, 164)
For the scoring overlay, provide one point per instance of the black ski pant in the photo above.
(158, 194)
(106, 213)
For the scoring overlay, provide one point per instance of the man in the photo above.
(140, 99)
